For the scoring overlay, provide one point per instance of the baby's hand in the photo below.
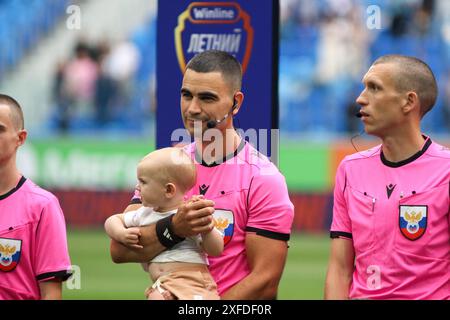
(195, 198)
(130, 238)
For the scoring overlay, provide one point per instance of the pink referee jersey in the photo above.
(250, 195)
(33, 245)
(397, 215)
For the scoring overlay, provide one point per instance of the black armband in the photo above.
(165, 233)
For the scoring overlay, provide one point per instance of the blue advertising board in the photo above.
(247, 29)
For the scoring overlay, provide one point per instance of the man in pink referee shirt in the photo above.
(391, 224)
(33, 249)
(245, 191)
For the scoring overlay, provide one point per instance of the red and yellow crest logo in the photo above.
(413, 221)
(10, 250)
(224, 222)
(220, 26)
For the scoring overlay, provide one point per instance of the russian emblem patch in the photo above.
(10, 250)
(413, 221)
(224, 222)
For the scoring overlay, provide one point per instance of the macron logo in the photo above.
(167, 234)
(203, 189)
(389, 189)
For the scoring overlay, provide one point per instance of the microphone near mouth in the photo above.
(359, 114)
(213, 123)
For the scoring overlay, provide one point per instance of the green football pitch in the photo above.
(97, 277)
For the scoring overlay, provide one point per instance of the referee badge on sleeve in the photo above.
(413, 221)
(10, 250)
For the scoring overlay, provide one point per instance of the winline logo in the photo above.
(213, 26)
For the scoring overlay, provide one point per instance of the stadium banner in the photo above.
(84, 208)
(247, 29)
(82, 164)
(88, 164)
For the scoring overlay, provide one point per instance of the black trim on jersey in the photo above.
(406, 161)
(338, 234)
(135, 201)
(226, 158)
(10, 192)
(62, 275)
(269, 234)
(248, 192)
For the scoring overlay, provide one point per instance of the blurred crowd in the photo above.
(332, 42)
(325, 47)
(96, 82)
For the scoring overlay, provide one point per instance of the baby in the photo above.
(164, 176)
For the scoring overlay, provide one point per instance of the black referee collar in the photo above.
(200, 160)
(17, 187)
(410, 159)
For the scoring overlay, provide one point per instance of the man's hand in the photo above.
(194, 217)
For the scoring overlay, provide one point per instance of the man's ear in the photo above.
(412, 103)
(237, 103)
(22, 137)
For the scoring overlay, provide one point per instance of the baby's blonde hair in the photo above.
(172, 165)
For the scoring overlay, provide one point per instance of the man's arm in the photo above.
(340, 269)
(51, 263)
(190, 219)
(51, 290)
(265, 269)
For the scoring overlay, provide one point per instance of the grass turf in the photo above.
(100, 278)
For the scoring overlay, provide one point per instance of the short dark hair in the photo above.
(16, 110)
(218, 61)
(414, 75)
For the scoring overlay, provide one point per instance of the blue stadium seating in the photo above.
(22, 24)
(306, 107)
(307, 110)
